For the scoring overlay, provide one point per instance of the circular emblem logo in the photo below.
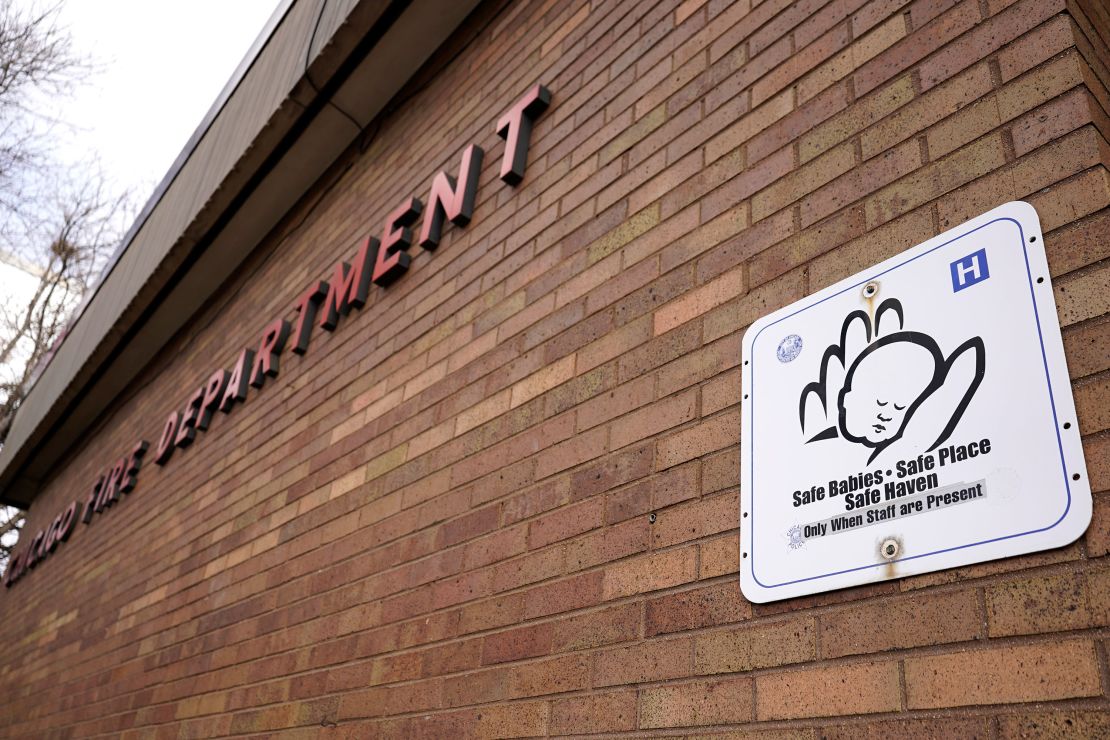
(789, 348)
(794, 537)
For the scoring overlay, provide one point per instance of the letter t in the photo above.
(515, 127)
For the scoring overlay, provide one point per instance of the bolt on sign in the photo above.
(914, 417)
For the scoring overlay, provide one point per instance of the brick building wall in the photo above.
(436, 522)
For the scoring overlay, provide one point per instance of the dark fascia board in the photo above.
(300, 139)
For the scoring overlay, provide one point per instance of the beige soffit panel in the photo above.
(272, 134)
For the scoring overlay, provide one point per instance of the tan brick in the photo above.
(926, 110)
(935, 728)
(623, 234)
(870, 110)
(1061, 723)
(985, 38)
(552, 676)
(936, 179)
(620, 400)
(703, 606)
(806, 179)
(1003, 675)
(721, 392)
(1050, 121)
(815, 240)
(519, 719)
(696, 519)
(887, 625)
(860, 688)
(648, 573)
(652, 660)
(756, 646)
(852, 58)
(576, 450)
(482, 412)
(542, 381)
(1073, 199)
(615, 344)
(1044, 83)
(597, 628)
(872, 248)
(720, 556)
(1034, 47)
(1038, 605)
(585, 281)
(962, 127)
(633, 134)
(738, 314)
(700, 703)
(565, 30)
(651, 420)
(749, 125)
(1098, 596)
(1098, 461)
(566, 522)
(610, 712)
(697, 302)
(1092, 404)
(1083, 296)
(707, 436)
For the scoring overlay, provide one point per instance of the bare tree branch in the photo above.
(58, 222)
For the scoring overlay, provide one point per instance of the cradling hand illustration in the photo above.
(882, 383)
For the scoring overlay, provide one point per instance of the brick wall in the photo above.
(437, 521)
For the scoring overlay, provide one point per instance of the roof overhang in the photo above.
(318, 74)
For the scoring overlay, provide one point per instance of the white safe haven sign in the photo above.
(914, 417)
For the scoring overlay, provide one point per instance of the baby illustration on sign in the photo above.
(889, 384)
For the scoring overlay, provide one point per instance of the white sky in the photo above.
(160, 66)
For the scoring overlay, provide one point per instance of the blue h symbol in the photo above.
(969, 270)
